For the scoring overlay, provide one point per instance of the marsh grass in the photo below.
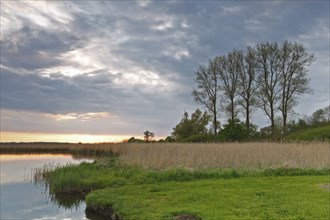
(226, 155)
(306, 155)
(108, 173)
(161, 180)
(40, 177)
(161, 173)
(78, 149)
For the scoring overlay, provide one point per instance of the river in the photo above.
(23, 199)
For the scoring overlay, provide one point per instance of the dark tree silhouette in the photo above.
(148, 136)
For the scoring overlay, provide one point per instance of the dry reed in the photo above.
(227, 155)
(222, 155)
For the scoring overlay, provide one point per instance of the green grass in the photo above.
(319, 133)
(83, 178)
(236, 198)
(108, 173)
(133, 192)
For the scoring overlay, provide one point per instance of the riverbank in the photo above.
(234, 198)
(132, 192)
(202, 181)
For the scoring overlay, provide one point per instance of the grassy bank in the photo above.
(133, 192)
(234, 198)
(318, 133)
(108, 173)
(203, 181)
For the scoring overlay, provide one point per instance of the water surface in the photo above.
(21, 198)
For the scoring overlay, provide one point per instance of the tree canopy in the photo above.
(270, 76)
(196, 124)
(148, 136)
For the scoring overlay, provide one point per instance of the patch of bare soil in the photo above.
(325, 186)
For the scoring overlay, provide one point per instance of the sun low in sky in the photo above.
(99, 71)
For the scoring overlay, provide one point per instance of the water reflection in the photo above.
(94, 216)
(23, 198)
(67, 201)
(73, 202)
(19, 168)
(25, 201)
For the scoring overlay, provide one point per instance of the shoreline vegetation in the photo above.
(194, 181)
(249, 155)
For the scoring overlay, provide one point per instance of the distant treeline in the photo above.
(195, 129)
(269, 76)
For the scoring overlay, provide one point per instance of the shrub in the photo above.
(234, 130)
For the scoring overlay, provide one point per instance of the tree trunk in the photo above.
(285, 116)
(215, 120)
(232, 110)
(272, 119)
(247, 122)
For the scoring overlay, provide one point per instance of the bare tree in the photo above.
(268, 60)
(247, 85)
(271, 76)
(229, 81)
(207, 90)
(148, 136)
(294, 81)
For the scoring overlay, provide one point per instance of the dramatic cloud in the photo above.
(121, 67)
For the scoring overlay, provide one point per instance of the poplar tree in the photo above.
(228, 73)
(247, 84)
(294, 81)
(268, 61)
(207, 91)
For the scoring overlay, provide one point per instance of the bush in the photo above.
(135, 140)
(234, 130)
(169, 139)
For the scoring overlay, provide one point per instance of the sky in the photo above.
(98, 71)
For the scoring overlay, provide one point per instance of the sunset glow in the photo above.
(71, 138)
(24, 157)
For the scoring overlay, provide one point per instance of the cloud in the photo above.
(99, 99)
(79, 116)
(133, 67)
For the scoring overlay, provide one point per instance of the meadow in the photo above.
(213, 199)
(197, 181)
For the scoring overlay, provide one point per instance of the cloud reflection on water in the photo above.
(20, 198)
(19, 168)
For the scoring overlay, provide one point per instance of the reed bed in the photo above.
(314, 155)
(14, 148)
(226, 155)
